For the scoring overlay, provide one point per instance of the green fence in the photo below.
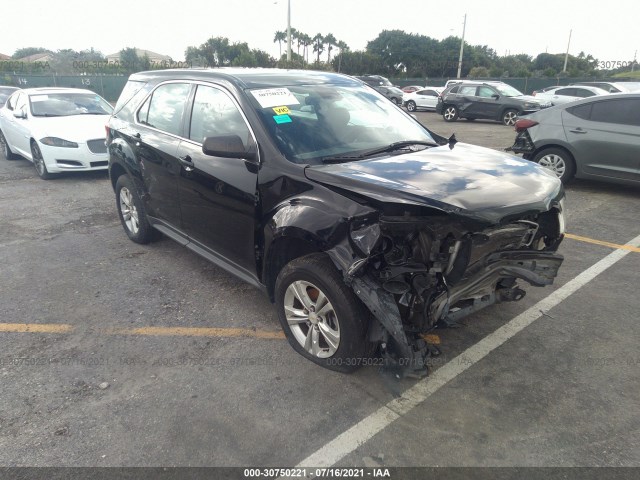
(108, 86)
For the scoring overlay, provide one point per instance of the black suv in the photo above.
(362, 226)
(488, 100)
(384, 86)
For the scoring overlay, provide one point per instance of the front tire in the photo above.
(131, 211)
(321, 317)
(559, 161)
(397, 101)
(509, 117)
(411, 106)
(6, 149)
(38, 162)
(450, 113)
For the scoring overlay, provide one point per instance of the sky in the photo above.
(609, 34)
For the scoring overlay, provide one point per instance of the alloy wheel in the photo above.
(312, 319)
(129, 211)
(553, 162)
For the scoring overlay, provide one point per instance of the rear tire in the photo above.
(321, 317)
(6, 149)
(559, 161)
(132, 213)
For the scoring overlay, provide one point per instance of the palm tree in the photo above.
(343, 48)
(318, 45)
(306, 42)
(280, 37)
(331, 42)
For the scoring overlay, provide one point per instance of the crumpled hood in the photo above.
(75, 128)
(468, 180)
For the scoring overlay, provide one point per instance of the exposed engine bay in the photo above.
(418, 272)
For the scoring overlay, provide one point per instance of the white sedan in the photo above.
(560, 95)
(427, 97)
(57, 129)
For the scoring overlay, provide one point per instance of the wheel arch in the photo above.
(283, 250)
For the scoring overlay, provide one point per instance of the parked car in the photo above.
(613, 87)
(364, 228)
(384, 86)
(411, 88)
(427, 98)
(5, 92)
(57, 129)
(560, 95)
(489, 100)
(545, 89)
(596, 138)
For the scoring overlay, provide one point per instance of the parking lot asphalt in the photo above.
(117, 354)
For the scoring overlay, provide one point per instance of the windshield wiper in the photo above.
(388, 148)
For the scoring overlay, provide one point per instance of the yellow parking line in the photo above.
(600, 242)
(35, 327)
(151, 331)
(199, 332)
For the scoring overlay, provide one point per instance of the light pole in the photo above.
(288, 30)
(464, 26)
(566, 57)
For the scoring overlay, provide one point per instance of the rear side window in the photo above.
(623, 111)
(164, 109)
(128, 92)
(454, 89)
(467, 90)
(584, 93)
(581, 111)
(570, 92)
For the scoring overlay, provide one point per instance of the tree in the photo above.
(318, 45)
(27, 51)
(280, 37)
(307, 41)
(129, 59)
(331, 42)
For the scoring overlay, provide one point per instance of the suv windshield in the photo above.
(312, 122)
(67, 104)
(508, 90)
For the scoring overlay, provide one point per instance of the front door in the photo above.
(218, 195)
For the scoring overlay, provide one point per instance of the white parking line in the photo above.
(361, 432)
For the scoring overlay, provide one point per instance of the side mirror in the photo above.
(495, 96)
(227, 146)
(20, 114)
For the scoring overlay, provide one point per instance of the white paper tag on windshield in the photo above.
(272, 97)
(39, 98)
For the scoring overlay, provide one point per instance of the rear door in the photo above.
(159, 127)
(605, 136)
(467, 101)
(218, 195)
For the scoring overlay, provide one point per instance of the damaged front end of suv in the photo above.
(417, 263)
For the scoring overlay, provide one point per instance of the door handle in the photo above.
(578, 130)
(186, 162)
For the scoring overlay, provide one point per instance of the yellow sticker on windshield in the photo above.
(281, 110)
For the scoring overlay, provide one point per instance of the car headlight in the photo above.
(561, 218)
(531, 105)
(58, 142)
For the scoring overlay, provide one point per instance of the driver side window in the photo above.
(214, 113)
(485, 92)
